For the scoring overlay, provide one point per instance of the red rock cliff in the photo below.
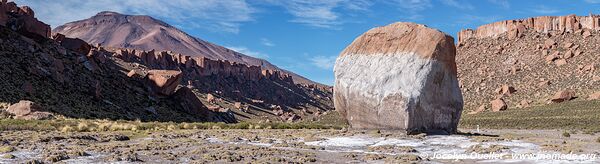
(540, 24)
(199, 66)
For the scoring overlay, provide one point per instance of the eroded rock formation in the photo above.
(400, 76)
(198, 66)
(545, 24)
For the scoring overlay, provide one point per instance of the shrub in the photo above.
(67, 128)
(566, 134)
(104, 126)
(83, 127)
(6, 149)
(242, 125)
(8, 156)
(172, 127)
(186, 126)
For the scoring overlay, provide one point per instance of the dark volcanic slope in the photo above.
(146, 33)
(55, 78)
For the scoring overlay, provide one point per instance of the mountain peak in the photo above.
(108, 13)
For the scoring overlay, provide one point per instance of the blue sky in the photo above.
(305, 36)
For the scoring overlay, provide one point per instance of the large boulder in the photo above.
(498, 105)
(74, 44)
(400, 76)
(562, 96)
(163, 82)
(594, 96)
(28, 110)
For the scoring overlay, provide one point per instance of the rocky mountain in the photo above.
(67, 77)
(399, 76)
(141, 32)
(533, 61)
(43, 78)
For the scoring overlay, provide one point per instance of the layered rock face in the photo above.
(545, 24)
(400, 76)
(22, 19)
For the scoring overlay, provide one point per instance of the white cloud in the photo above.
(541, 9)
(324, 62)
(414, 5)
(221, 15)
(267, 42)
(460, 5)
(502, 3)
(320, 13)
(412, 8)
(246, 51)
(359, 5)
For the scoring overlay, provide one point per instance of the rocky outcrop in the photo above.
(22, 19)
(199, 66)
(28, 110)
(163, 82)
(544, 24)
(400, 76)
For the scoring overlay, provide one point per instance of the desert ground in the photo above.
(293, 146)
(323, 141)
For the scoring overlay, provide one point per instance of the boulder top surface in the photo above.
(405, 38)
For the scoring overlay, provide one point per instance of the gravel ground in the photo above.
(289, 146)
